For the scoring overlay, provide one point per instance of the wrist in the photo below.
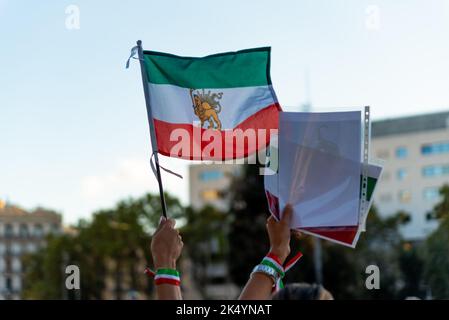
(282, 254)
(265, 272)
(162, 263)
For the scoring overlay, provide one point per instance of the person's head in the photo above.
(303, 291)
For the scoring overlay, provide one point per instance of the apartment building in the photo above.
(21, 232)
(416, 154)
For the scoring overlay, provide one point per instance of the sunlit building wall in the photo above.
(416, 154)
(21, 232)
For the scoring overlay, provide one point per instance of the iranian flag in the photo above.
(217, 107)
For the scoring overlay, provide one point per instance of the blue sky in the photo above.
(73, 128)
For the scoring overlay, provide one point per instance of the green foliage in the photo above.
(44, 271)
(205, 236)
(248, 240)
(115, 239)
(202, 227)
(412, 267)
(441, 210)
(436, 250)
(437, 261)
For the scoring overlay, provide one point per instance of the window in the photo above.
(9, 231)
(16, 248)
(436, 170)
(401, 174)
(431, 193)
(211, 175)
(38, 230)
(210, 195)
(16, 265)
(31, 247)
(17, 283)
(401, 152)
(8, 284)
(382, 154)
(54, 228)
(23, 231)
(386, 197)
(435, 148)
(405, 196)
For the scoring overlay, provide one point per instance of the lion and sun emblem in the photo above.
(206, 107)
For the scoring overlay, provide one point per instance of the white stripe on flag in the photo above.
(173, 104)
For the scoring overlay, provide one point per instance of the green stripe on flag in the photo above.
(245, 68)
(370, 187)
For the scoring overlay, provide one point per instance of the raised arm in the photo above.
(166, 247)
(260, 284)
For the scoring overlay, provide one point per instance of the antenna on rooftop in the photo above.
(307, 105)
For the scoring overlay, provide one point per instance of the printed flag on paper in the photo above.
(346, 235)
(202, 107)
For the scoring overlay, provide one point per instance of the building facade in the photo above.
(415, 151)
(209, 184)
(21, 232)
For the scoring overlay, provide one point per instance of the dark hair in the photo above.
(299, 291)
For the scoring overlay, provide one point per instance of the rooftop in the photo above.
(8, 210)
(12, 211)
(411, 124)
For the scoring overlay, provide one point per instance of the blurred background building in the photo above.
(416, 154)
(209, 184)
(21, 232)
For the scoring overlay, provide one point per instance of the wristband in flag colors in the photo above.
(167, 276)
(164, 276)
(272, 261)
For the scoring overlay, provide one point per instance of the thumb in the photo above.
(287, 214)
(162, 221)
(171, 223)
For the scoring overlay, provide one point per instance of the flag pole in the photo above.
(151, 123)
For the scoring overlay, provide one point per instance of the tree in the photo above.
(111, 246)
(205, 235)
(441, 209)
(436, 249)
(248, 241)
(380, 245)
(411, 263)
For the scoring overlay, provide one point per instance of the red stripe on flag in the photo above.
(345, 234)
(273, 204)
(266, 118)
(342, 234)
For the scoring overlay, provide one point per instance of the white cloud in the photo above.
(132, 177)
